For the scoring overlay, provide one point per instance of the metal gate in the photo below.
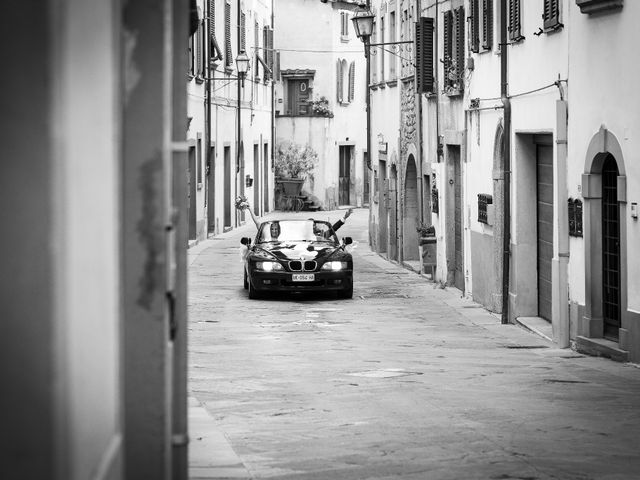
(610, 249)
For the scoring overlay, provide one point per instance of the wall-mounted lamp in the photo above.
(248, 181)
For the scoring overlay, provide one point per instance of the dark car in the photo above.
(297, 256)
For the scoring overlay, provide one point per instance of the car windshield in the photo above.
(296, 231)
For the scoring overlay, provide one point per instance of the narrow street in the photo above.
(407, 380)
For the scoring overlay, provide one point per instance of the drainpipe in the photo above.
(210, 69)
(506, 158)
(420, 134)
(273, 97)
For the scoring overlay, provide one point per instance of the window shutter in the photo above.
(487, 24)
(448, 21)
(424, 55)
(460, 53)
(551, 14)
(270, 52)
(352, 81)
(243, 31)
(339, 81)
(191, 56)
(212, 25)
(201, 48)
(258, 52)
(514, 20)
(475, 26)
(228, 61)
(276, 66)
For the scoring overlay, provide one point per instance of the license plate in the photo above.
(303, 277)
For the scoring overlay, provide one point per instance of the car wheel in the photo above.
(253, 294)
(347, 292)
(246, 281)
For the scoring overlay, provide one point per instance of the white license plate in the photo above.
(303, 277)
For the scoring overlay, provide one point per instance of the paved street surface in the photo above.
(407, 380)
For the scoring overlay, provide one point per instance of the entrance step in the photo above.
(600, 347)
(537, 325)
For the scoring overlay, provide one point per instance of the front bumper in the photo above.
(282, 281)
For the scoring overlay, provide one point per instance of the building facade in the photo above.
(522, 161)
(94, 366)
(231, 120)
(320, 96)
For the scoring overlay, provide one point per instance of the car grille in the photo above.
(297, 266)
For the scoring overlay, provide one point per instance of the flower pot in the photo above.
(291, 186)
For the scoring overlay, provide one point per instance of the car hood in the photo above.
(299, 250)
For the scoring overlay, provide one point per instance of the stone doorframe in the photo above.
(602, 144)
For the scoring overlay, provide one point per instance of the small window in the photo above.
(484, 199)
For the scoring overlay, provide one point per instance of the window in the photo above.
(487, 24)
(392, 38)
(228, 51)
(454, 54)
(214, 48)
(515, 22)
(201, 48)
(424, 55)
(551, 15)
(192, 56)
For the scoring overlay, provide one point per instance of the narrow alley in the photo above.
(407, 380)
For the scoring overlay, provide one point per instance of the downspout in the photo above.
(273, 96)
(439, 146)
(207, 132)
(420, 133)
(506, 159)
(239, 216)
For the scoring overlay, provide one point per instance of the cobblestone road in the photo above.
(406, 380)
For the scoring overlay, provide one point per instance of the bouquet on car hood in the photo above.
(241, 202)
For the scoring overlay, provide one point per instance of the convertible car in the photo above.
(297, 256)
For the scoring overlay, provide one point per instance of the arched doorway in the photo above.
(604, 193)
(410, 213)
(393, 213)
(610, 249)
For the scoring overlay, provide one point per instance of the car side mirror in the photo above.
(245, 241)
(347, 240)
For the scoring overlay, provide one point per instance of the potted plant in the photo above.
(292, 165)
(321, 107)
(426, 232)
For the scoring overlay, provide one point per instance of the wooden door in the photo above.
(344, 175)
(458, 227)
(298, 97)
(227, 186)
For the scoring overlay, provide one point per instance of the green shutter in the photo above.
(551, 15)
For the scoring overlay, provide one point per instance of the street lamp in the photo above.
(242, 64)
(363, 26)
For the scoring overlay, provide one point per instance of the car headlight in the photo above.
(269, 266)
(334, 266)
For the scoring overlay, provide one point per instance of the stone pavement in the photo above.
(404, 381)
